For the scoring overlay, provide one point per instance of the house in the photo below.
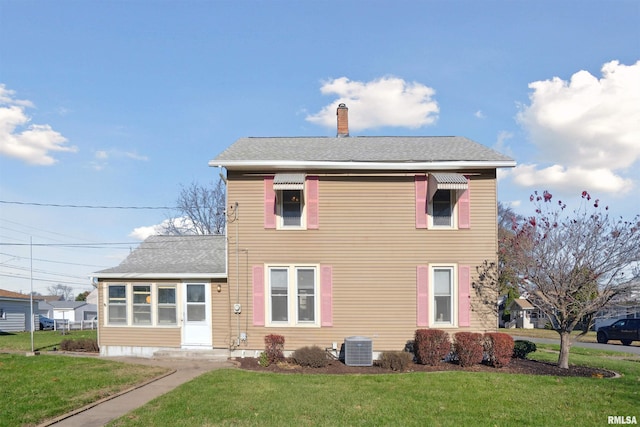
(334, 237)
(169, 294)
(327, 238)
(68, 311)
(15, 311)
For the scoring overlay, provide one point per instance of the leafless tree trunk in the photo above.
(200, 210)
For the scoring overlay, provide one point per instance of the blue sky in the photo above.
(120, 103)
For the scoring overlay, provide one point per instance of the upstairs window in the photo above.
(291, 201)
(291, 207)
(442, 208)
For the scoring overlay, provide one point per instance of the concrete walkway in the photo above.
(100, 413)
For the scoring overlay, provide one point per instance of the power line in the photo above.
(54, 262)
(54, 205)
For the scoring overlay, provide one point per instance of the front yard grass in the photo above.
(42, 387)
(242, 398)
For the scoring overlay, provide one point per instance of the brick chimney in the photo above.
(343, 120)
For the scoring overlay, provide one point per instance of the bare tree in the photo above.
(572, 265)
(63, 291)
(200, 210)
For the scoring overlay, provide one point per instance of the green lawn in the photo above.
(548, 333)
(42, 340)
(41, 387)
(241, 398)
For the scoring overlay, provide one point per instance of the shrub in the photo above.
(274, 348)
(499, 348)
(82, 344)
(468, 348)
(395, 360)
(431, 346)
(521, 348)
(314, 357)
(263, 360)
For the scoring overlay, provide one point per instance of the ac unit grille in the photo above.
(358, 351)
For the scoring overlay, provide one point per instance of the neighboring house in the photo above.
(68, 311)
(169, 294)
(327, 238)
(522, 314)
(15, 311)
(627, 308)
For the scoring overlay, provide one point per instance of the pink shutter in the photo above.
(464, 299)
(464, 208)
(258, 295)
(269, 203)
(421, 201)
(326, 295)
(422, 295)
(312, 202)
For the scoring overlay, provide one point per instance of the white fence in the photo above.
(66, 325)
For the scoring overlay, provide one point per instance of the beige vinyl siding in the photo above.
(367, 234)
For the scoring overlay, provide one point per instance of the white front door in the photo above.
(196, 331)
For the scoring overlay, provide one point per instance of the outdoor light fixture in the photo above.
(219, 288)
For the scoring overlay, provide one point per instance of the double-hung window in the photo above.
(117, 304)
(443, 295)
(142, 304)
(291, 207)
(293, 295)
(166, 305)
(442, 208)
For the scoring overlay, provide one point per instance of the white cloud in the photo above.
(387, 101)
(30, 143)
(586, 130)
(182, 223)
(480, 115)
(102, 157)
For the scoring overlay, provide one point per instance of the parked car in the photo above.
(625, 330)
(46, 323)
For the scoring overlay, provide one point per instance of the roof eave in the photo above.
(350, 165)
(180, 276)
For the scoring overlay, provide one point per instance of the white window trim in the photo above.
(303, 213)
(454, 213)
(129, 305)
(292, 295)
(454, 296)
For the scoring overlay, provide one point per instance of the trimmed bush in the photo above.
(521, 348)
(313, 357)
(395, 360)
(274, 348)
(499, 348)
(468, 348)
(431, 346)
(82, 344)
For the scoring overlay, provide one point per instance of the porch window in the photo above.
(117, 304)
(167, 305)
(142, 305)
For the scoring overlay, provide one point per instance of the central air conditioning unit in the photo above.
(358, 351)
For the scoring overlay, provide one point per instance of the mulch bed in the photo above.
(516, 366)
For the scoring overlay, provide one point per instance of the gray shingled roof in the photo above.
(390, 149)
(173, 256)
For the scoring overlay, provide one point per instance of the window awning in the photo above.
(449, 181)
(288, 181)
